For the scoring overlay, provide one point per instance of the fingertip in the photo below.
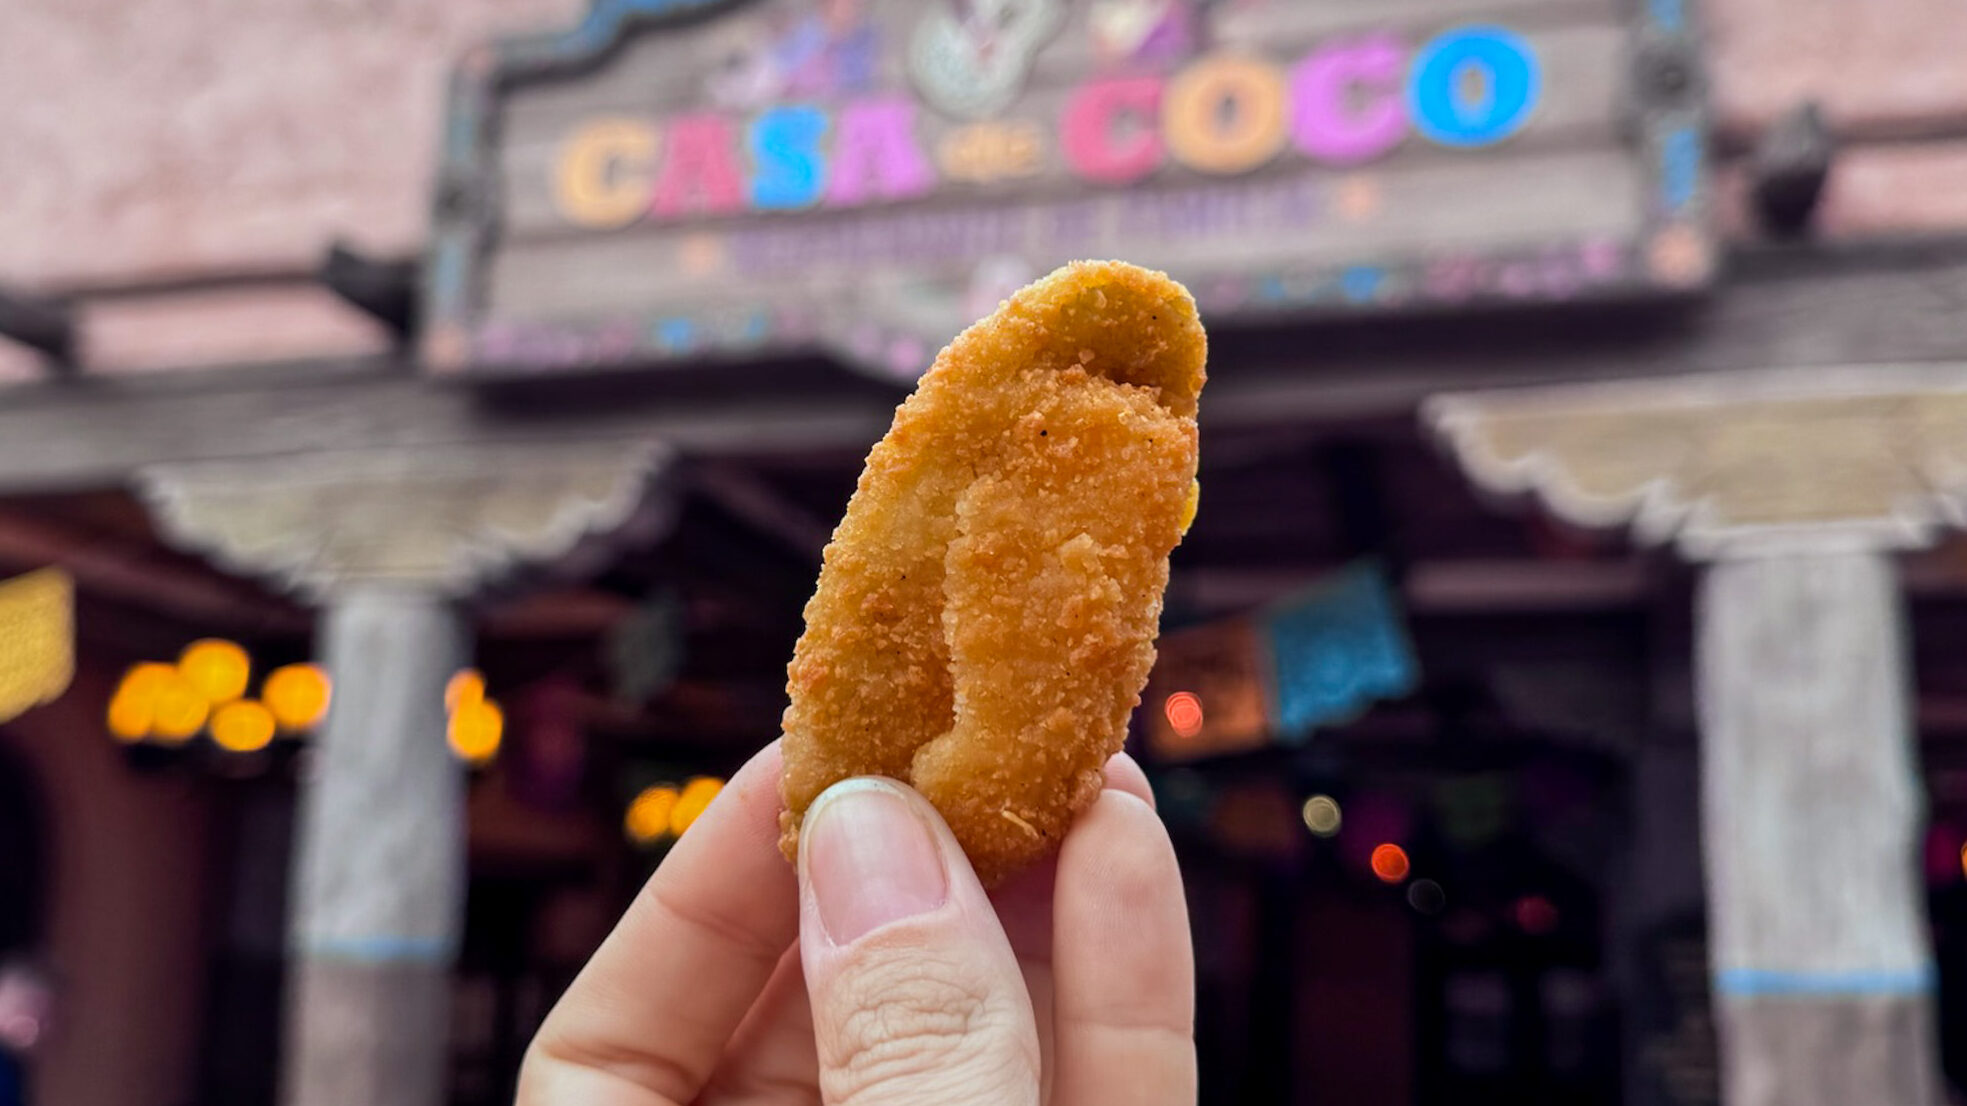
(1124, 773)
(752, 793)
(1120, 862)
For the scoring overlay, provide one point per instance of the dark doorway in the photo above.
(23, 857)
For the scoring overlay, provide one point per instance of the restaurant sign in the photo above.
(691, 179)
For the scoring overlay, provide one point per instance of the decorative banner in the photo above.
(37, 640)
(1336, 650)
(1313, 660)
(864, 177)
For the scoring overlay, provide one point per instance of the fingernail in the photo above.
(869, 858)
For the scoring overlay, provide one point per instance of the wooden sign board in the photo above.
(37, 640)
(691, 179)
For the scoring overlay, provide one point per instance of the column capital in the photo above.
(449, 520)
(1863, 458)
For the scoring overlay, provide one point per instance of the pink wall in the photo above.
(130, 869)
(196, 135)
(191, 135)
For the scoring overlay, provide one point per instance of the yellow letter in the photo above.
(1225, 114)
(603, 175)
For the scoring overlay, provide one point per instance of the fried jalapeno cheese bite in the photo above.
(986, 613)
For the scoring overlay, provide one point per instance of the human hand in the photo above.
(883, 975)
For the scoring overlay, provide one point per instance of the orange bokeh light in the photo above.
(475, 731)
(1390, 863)
(134, 707)
(243, 726)
(297, 694)
(1184, 711)
(218, 669)
(179, 711)
(649, 815)
(691, 804)
(463, 689)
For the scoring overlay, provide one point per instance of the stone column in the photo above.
(1822, 965)
(380, 872)
(389, 544)
(1794, 489)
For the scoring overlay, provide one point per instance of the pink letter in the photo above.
(1347, 99)
(699, 165)
(1092, 125)
(877, 156)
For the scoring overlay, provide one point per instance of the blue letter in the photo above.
(790, 171)
(1473, 87)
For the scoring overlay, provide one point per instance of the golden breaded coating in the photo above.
(986, 613)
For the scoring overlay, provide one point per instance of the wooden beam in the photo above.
(47, 327)
(383, 289)
(97, 432)
(758, 505)
(566, 613)
(1811, 306)
(1446, 587)
(127, 575)
(1782, 307)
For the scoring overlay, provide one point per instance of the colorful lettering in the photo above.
(877, 156)
(984, 152)
(1473, 87)
(785, 149)
(602, 176)
(1108, 129)
(1346, 101)
(1225, 114)
(699, 169)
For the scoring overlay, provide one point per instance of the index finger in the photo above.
(1124, 973)
(647, 1019)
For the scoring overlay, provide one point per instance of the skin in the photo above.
(1072, 985)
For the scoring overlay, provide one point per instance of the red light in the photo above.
(1390, 863)
(1184, 711)
(1536, 914)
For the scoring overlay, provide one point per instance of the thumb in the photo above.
(916, 996)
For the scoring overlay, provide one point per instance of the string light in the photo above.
(133, 708)
(1390, 863)
(298, 696)
(649, 814)
(179, 711)
(1426, 896)
(468, 686)
(206, 691)
(690, 805)
(1184, 712)
(661, 811)
(475, 731)
(219, 669)
(1322, 815)
(243, 726)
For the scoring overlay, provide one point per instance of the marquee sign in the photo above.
(682, 179)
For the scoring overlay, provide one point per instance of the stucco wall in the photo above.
(193, 135)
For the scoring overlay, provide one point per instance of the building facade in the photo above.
(412, 336)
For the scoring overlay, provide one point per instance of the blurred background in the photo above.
(420, 423)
